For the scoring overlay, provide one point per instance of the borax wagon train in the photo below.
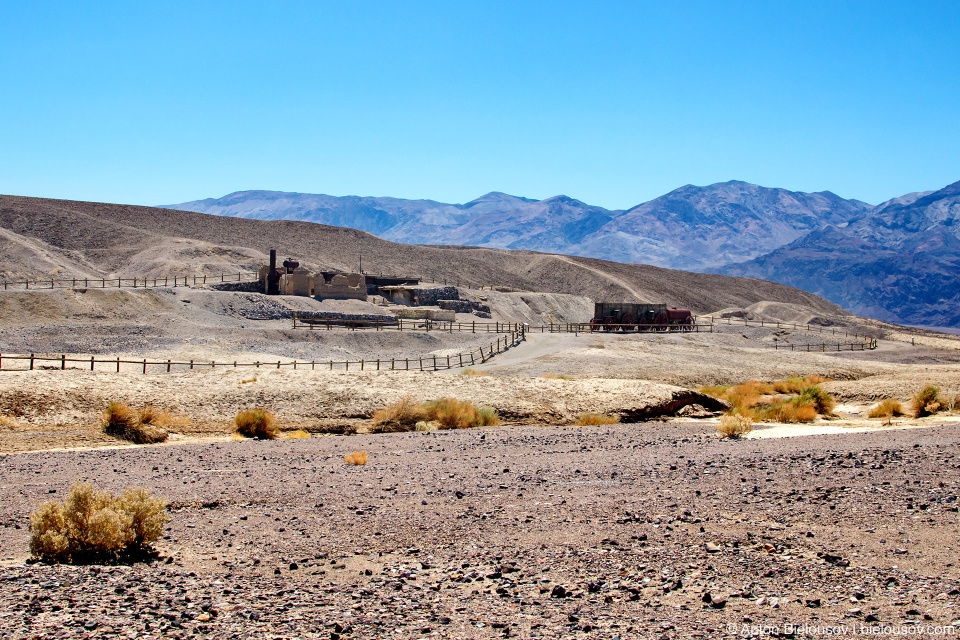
(630, 316)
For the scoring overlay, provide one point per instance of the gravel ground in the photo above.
(652, 530)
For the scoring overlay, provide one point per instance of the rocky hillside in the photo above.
(692, 228)
(899, 263)
(69, 238)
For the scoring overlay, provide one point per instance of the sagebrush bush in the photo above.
(91, 526)
(444, 413)
(587, 419)
(734, 425)
(142, 427)
(451, 413)
(886, 409)
(358, 458)
(256, 423)
(400, 416)
(926, 402)
(791, 411)
(822, 401)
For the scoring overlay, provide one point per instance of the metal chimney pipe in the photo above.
(273, 278)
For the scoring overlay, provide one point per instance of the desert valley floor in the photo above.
(651, 528)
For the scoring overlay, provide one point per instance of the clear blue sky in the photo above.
(613, 103)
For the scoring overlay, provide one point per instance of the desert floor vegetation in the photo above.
(888, 408)
(734, 425)
(356, 458)
(590, 418)
(765, 401)
(97, 526)
(927, 402)
(473, 372)
(256, 423)
(296, 435)
(554, 376)
(140, 427)
(443, 413)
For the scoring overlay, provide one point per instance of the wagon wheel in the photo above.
(608, 324)
(628, 322)
(595, 324)
(661, 322)
(642, 324)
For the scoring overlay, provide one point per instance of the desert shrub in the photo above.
(791, 411)
(588, 418)
(248, 380)
(423, 425)
(822, 401)
(886, 409)
(358, 458)
(451, 413)
(96, 526)
(296, 435)
(7, 421)
(256, 423)
(400, 416)
(554, 376)
(926, 402)
(955, 403)
(734, 425)
(122, 422)
(473, 372)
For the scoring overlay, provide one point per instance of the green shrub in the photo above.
(451, 413)
(91, 526)
(256, 423)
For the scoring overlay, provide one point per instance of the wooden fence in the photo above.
(430, 363)
(790, 325)
(133, 283)
(828, 346)
(407, 324)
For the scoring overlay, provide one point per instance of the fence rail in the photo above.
(429, 363)
(133, 283)
(408, 324)
(791, 325)
(829, 346)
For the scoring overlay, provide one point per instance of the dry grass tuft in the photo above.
(248, 380)
(791, 412)
(92, 526)
(552, 376)
(752, 399)
(886, 409)
(256, 423)
(451, 413)
(587, 419)
(122, 422)
(358, 458)
(734, 425)
(445, 413)
(473, 372)
(401, 416)
(7, 421)
(926, 402)
(296, 435)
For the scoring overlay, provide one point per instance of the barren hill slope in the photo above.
(111, 239)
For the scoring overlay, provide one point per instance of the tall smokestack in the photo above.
(273, 278)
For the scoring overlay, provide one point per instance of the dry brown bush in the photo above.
(451, 413)
(358, 458)
(296, 435)
(886, 409)
(734, 425)
(256, 423)
(791, 412)
(400, 416)
(474, 372)
(122, 422)
(926, 402)
(588, 418)
(96, 526)
(553, 376)
(7, 421)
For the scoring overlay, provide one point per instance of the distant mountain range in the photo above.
(897, 261)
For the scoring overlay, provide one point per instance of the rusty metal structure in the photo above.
(633, 316)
